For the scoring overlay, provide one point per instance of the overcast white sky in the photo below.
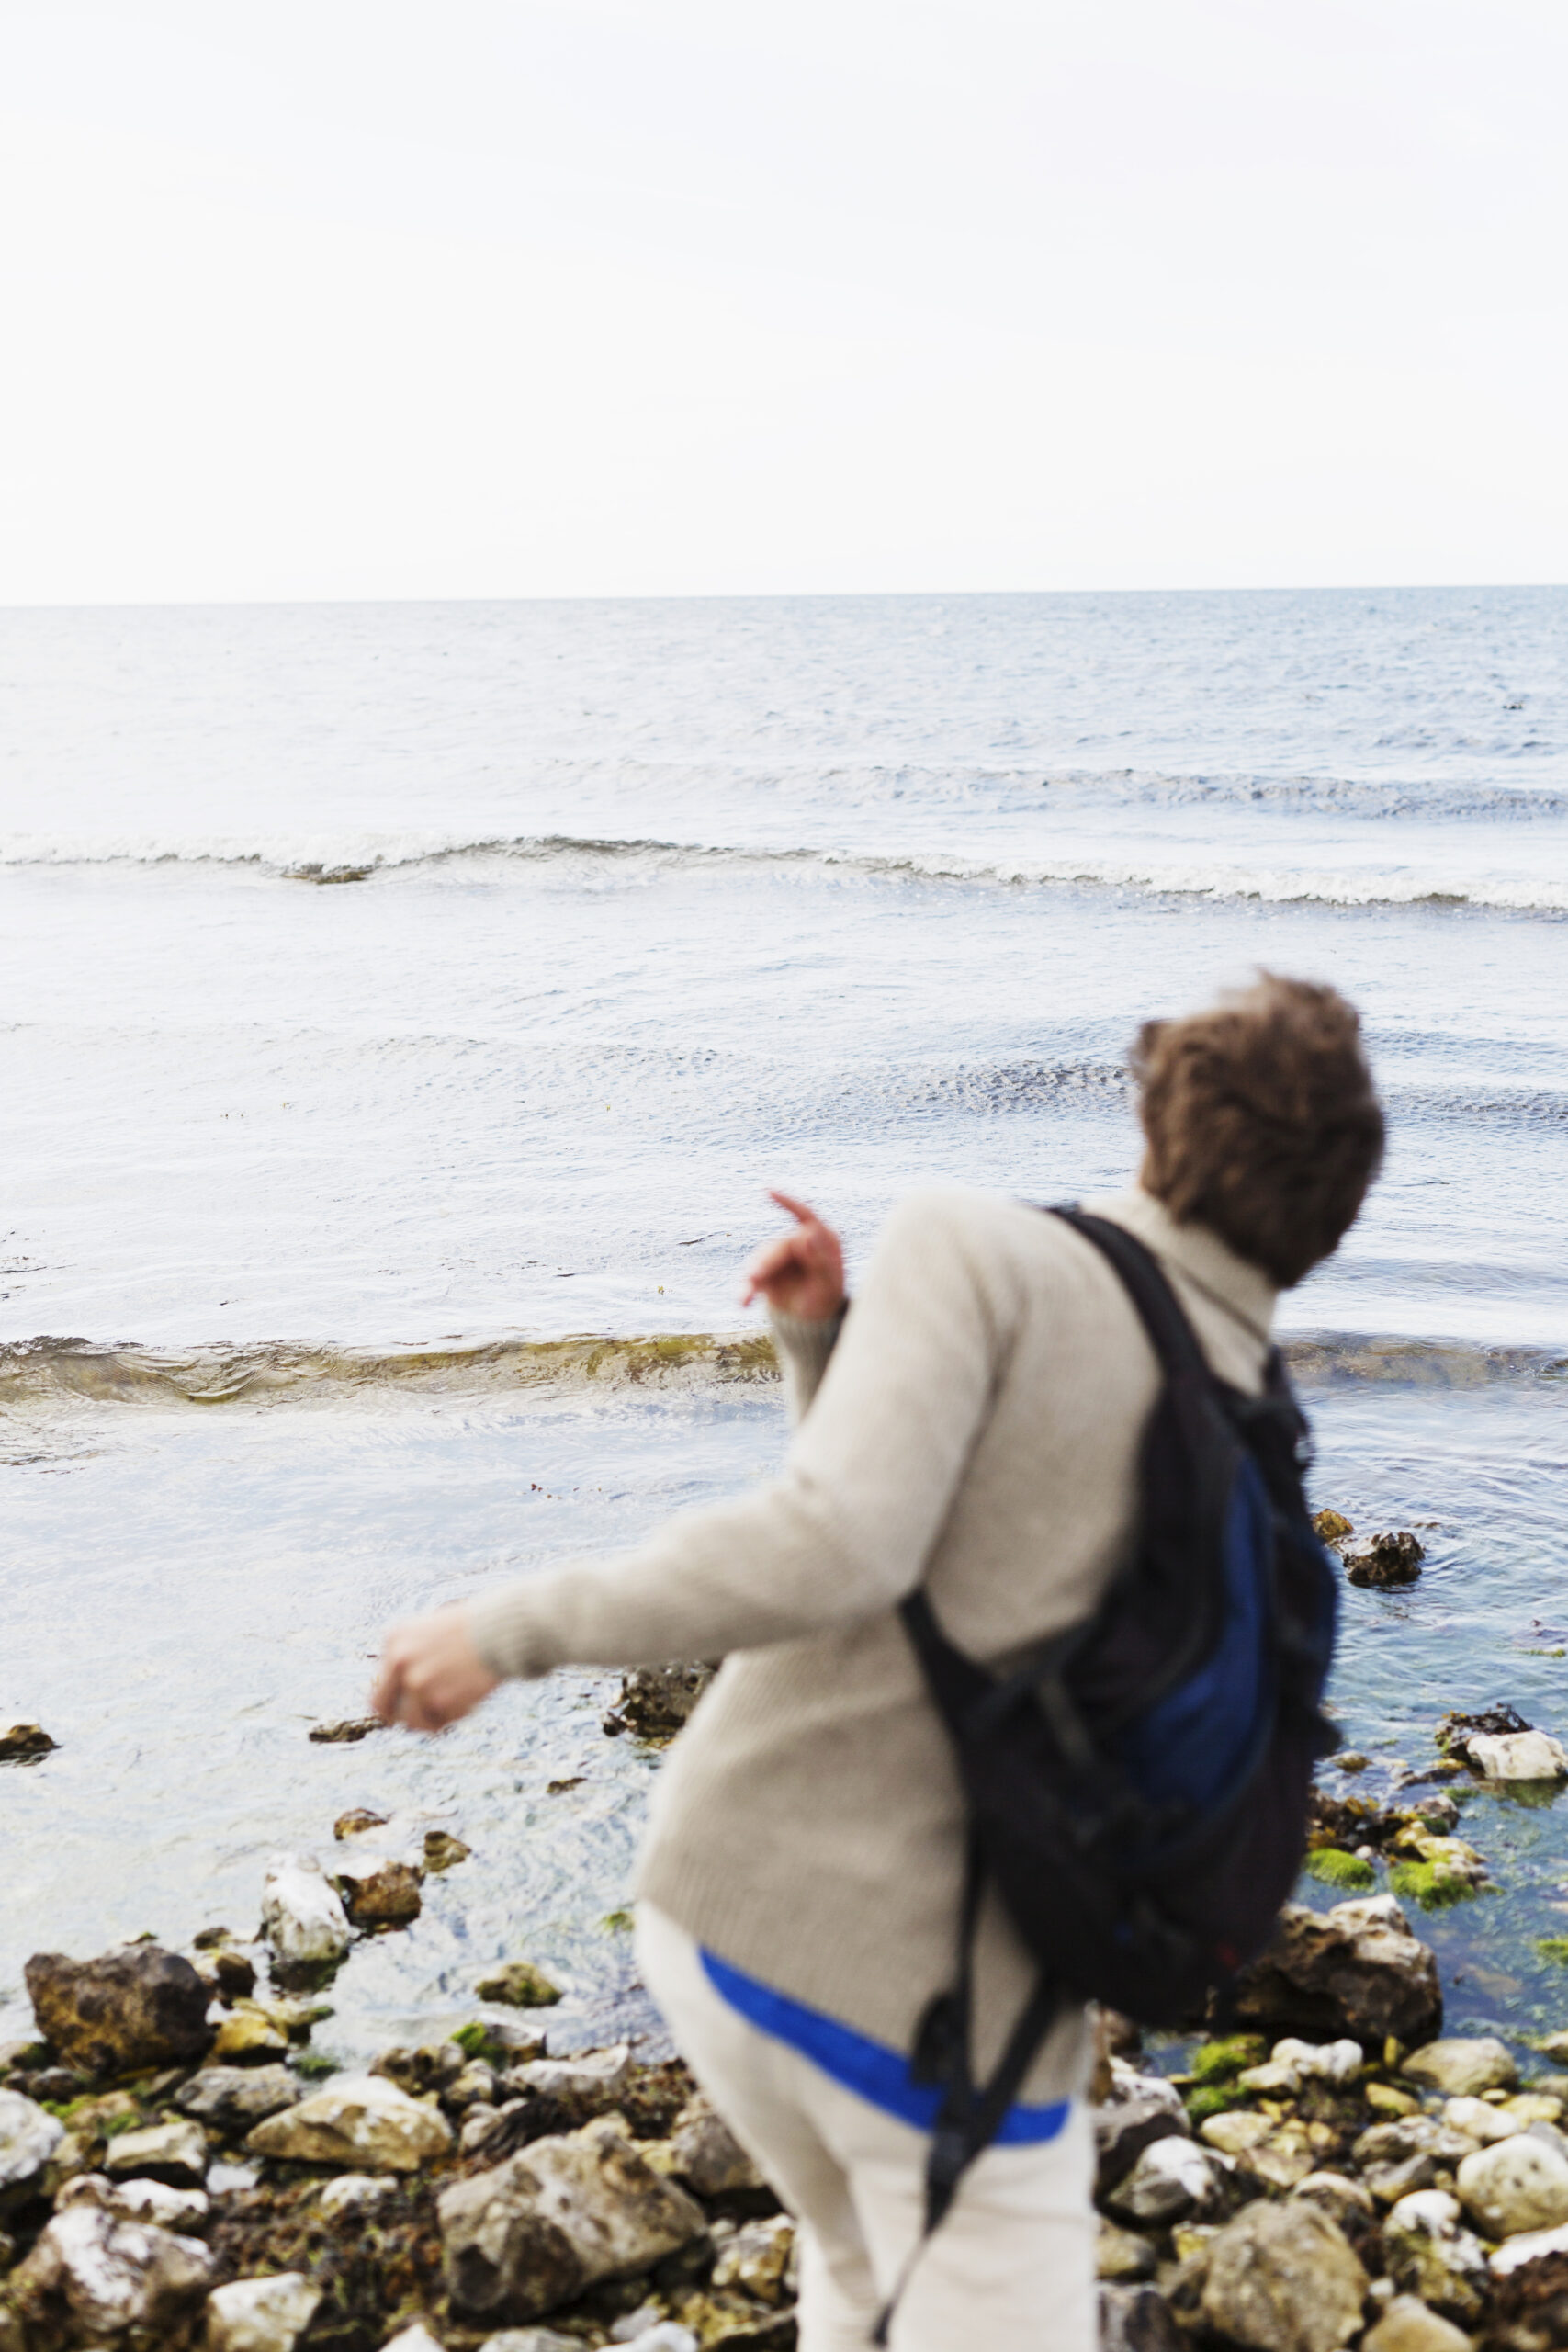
(470, 298)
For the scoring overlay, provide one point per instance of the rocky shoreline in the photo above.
(179, 2167)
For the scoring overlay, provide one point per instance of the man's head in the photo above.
(1261, 1122)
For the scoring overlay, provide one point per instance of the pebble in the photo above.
(519, 1986)
(1283, 2279)
(356, 2192)
(186, 2210)
(1172, 2179)
(25, 1743)
(1520, 2185)
(176, 2152)
(28, 2138)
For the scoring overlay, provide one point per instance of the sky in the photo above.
(494, 297)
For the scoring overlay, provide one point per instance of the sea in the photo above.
(404, 1012)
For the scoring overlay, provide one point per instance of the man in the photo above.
(972, 1426)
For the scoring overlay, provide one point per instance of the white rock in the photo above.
(1530, 2245)
(531, 2339)
(667, 2336)
(1282, 2279)
(261, 2314)
(115, 2275)
(706, 2153)
(139, 2201)
(1483, 2122)
(635, 2324)
(597, 2073)
(417, 2338)
(1429, 2254)
(28, 2137)
(1273, 2079)
(356, 2192)
(757, 2258)
(1463, 2067)
(1432, 2211)
(362, 2121)
(302, 1915)
(1171, 2179)
(1517, 2185)
(1517, 1755)
(1326, 2061)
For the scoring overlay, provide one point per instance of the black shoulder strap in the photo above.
(1170, 1334)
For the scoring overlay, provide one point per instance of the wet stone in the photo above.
(231, 2098)
(657, 1701)
(1356, 1971)
(249, 2034)
(1463, 2068)
(130, 2010)
(25, 1744)
(105, 2276)
(357, 1821)
(1392, 1558)
(443, 1851)
(518, 1984)
(382, 1895)
(302, 1915)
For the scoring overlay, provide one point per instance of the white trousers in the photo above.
(1012, 2269)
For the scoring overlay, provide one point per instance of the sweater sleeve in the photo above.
(803, 1349)
(848, 1527)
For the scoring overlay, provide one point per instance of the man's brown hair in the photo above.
(1262, 1121)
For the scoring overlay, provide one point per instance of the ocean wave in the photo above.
(37, 1373)
(1174, 876)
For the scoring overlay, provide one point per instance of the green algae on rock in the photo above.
(518, 1984)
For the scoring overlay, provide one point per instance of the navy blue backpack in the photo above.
(1137, 1787)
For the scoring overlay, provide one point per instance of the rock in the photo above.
(1399, 2158)
(357, 1821)
(595, 2074)
(1325, 2061)
(233, 2097)
(28, 2137)
(1529, 2247)
(1408, 2326)
(707, 2156)
(1172, 2179)
(531, 2339)
(1533, 2107)
(25, 1743)
(128, 2010)
(757, 2258)
(1515, 2185)
(249, 2034)
(1384, 2101)
(1283, 2279)
(1272, 2080)
(339, 1735)
(1356, 1971)
(551, 2221)
(520, 1985)
(106, 2276)
(474, 2085)
(418, 2338)
(1136, 2319)
(656, 1702)
(1482, 2123)
(176, 2152)
(443, 1851)
(362, 2122)
(261, 2314)
(665, 2336)
(1280, 2162)
(1428, 2254)
(1464, 2069)
(382, 1895)
(1346, 2202)
(1123, 2254)
(1237, 2128)
(1389, 1559)
(431, 2067)
(1518, 1755)
(1141, 2110)
(185, 2210)
(356, 2192)
(302, 1916)
(1332, 1526)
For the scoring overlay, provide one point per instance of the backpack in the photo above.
(1136, 1788)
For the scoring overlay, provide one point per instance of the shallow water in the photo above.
(657, 905)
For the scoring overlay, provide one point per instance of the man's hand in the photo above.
(803, 1273)
(431, 1672)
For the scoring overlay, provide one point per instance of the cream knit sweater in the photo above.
(975, 1424)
